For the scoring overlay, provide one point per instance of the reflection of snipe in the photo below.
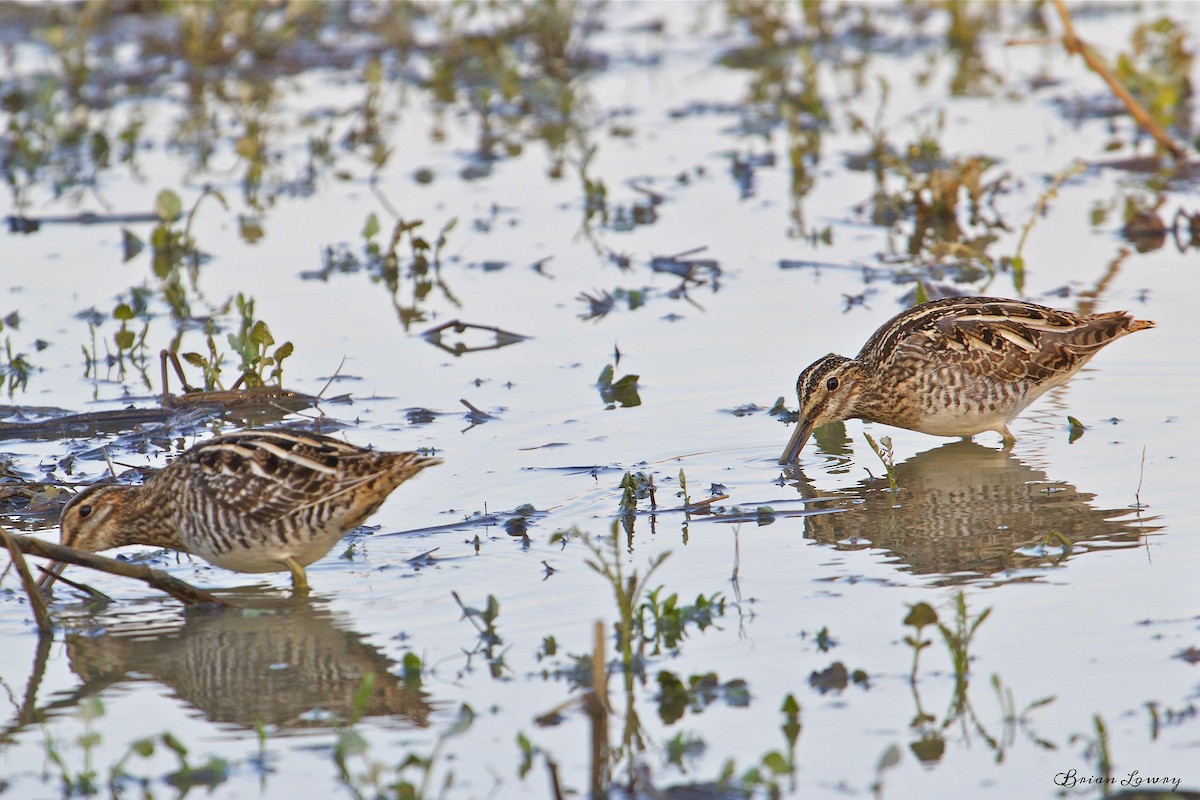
(964, 511)
(274, 666)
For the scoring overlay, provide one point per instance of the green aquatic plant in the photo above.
(958, 638)
(889, 758)
(920, 615)
(15, 369)
(253, 342)
(883, 451)
(683, 491)
(484, 620)
(85, 780)
(675, 697)
(261, 362)
(1156, 70)
(628, 590)
(671, 619)
(964, 38)
(766, 778)
(377, 780)
(932, 745)
(622, 392)
(210, 364)
(421, 265)
(635, 486)
(1097, 747)
(128, 343)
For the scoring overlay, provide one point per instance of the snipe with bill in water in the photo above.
(954, 367)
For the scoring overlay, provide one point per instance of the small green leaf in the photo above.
(625, 391)
(168, 206)
(371, 226)
(260, 334)
(174, 744)
(123, 312)
(920, 615)
(411, 668)
(775, 762)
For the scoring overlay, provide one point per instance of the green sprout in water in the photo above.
(671, 619)
(484, 621)
(380, 781)
(774, 766)
(253, 343)
(683, 490)
(958, 645)
(627, 590)
(85, 781)
(635, 486)
(210, 365)
(919, 616)
(623, 391)
(14, 369)
(261, 363)
(883, 450)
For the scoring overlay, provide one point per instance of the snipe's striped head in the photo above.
(828, 391)
(88, 519)
(93, 521)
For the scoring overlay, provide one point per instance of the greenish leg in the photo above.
(1009, 439)
(299, 579)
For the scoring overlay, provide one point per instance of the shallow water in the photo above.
(807, 574)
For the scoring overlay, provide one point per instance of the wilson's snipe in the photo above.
(258, 501)
(954, 367)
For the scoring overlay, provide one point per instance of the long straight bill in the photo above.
(803, 430)
(51, 575)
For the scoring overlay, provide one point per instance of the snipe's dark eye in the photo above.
(831, 384)
(84, 510)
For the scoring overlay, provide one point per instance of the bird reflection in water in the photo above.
(965, 511)
(292, 666)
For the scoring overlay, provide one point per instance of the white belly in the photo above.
(261, 553)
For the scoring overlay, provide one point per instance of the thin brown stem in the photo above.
(1074, 44)
(182, 591)
(31, 591)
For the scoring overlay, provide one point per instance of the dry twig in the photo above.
(1142, 117)
(180, 590)
(35, 599)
